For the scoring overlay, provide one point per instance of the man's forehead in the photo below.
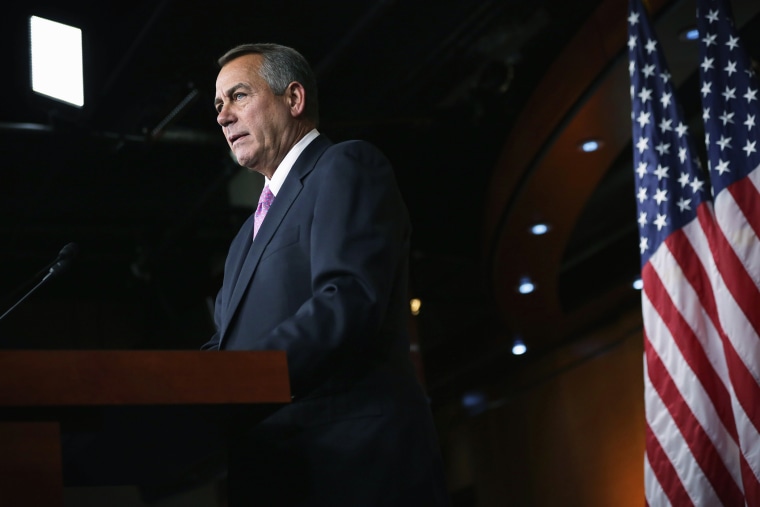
(239, 70)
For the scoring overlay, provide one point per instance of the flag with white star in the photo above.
(670, 184)
(695, 424)
(730, 112)
(730, 100)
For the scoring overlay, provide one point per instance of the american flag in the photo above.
(699, 302)
(730, 109)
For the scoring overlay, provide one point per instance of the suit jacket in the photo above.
(326, 281)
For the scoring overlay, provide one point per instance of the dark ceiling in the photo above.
(480, 106)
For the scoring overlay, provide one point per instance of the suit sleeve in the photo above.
(213, 342)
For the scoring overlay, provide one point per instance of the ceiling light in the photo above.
(689, 34)
(638, 284)
(539, 229)
(414, 305)
(526, 285)
(475, 402)
(57, 68)
(590, 145)
(518, 347)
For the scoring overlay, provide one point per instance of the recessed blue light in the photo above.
(638, 284)
(539, 229)
(526, 286)
(590, 145)
(519, 348)
(692, 34)
(475, 402)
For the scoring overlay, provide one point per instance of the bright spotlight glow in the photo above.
(539, 229)
(414, 305)
(638, 284)
(519, 348)
(526, 286)
(57, 69)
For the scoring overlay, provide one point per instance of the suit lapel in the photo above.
(280, 207)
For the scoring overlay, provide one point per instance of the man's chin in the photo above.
(241, 159)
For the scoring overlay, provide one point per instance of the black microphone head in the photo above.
(65, 256)
(68, 251)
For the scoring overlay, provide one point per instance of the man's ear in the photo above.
(296, 97)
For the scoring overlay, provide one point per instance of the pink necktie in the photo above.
(265, 201)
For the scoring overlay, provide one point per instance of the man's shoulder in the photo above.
(353, 144)
(357, 149)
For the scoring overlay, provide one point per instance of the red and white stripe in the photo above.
(736, 245)
(701, 310)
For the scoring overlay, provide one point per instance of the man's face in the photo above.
(253, 119)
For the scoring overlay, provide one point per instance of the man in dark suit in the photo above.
(324, 277)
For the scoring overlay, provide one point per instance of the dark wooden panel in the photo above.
(64, 378)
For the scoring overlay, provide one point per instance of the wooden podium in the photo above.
(42, 393)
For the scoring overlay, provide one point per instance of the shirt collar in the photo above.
(278, 178)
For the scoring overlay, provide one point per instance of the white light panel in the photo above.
(57, 69)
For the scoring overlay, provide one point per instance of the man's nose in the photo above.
(224, 118)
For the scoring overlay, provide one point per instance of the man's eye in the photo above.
(238, 96)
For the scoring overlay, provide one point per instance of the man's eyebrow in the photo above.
(230, 91)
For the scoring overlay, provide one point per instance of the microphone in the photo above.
(63, 260)
(59, 265)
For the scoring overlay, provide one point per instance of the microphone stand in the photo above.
(56, 267)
